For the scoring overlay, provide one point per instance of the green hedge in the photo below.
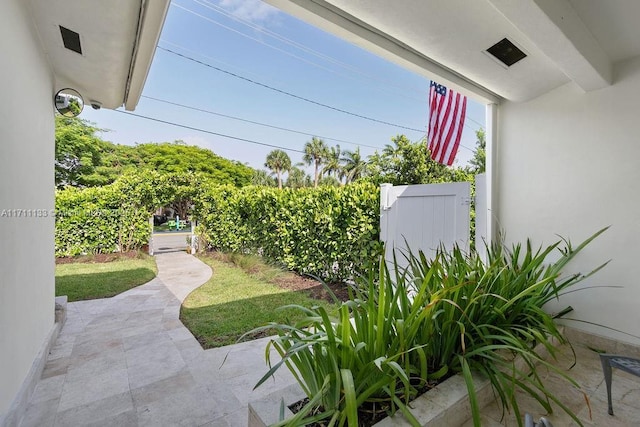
(328, 231)
(113, 218)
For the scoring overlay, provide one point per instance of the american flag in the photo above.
(447, 110)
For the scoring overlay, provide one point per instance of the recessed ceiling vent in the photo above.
(71, 39)
(506, 52)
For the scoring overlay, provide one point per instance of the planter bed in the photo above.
(446, 404)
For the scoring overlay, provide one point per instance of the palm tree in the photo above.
(297, 178)
(315, 151)
(278, 161)
(262, 177)
(392, 151)
(354, 165)
(332, 164)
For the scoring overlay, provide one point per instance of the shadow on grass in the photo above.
(223, 324)
(87, 286)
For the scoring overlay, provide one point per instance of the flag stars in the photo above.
(440, 89)
(446, 120)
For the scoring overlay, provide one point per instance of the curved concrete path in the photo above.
(129, 361)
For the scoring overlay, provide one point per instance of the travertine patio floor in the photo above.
(129, 361)
(588, 373)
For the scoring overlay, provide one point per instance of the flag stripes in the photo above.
(447, 110)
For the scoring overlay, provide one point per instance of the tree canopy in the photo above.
(316, 153)
(354, 165)
(83, 159)
(478, 162)
(297, 178)
(406, 162)
(278, 161)
(263, 178)
(78, 151)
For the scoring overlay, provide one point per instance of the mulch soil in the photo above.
(366, 417)
(315, 289)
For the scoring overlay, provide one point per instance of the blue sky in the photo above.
(302, 60)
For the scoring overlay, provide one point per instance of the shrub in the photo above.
(326, 231)
(113, 218)
(453, 314)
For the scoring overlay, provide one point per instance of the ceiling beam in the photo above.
(557, 30)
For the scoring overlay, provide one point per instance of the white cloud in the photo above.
(253, 10)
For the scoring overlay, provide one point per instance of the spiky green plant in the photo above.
(406, 328)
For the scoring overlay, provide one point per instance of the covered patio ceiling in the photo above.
(564, 40)
(114, 44)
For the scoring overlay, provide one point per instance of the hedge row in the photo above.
(327, 232)
(113, 218)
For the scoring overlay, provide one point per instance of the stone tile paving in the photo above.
(587, 371)
(129, 361)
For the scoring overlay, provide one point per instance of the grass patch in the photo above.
(239, 298)
(85, 280)
(253, 265)
(166, 227)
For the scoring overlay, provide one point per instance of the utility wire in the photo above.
(217, 9)
(474, 121)
(216, 60)
(208, 131)
(202, 110)
(253, 38)
(467, 118)
(230, 136)
(220, 10)
(289, 93)
(264, 30)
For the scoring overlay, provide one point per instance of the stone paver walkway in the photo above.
(587, 371)
(129, 361)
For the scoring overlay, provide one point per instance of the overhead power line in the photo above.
(474, 121)
(222, 134)
(233, 30)
(216, 60)
(208, 131)
(177, 46)
(289, 93)
(202, 110)
(217, 9)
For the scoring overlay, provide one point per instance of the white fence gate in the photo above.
(424, 217)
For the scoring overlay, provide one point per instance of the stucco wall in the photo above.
(26, 182)
(568, 163)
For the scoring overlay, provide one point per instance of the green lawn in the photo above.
(233, 302)
(166, 227)
(91, 280)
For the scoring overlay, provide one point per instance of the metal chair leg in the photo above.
(606, 368)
